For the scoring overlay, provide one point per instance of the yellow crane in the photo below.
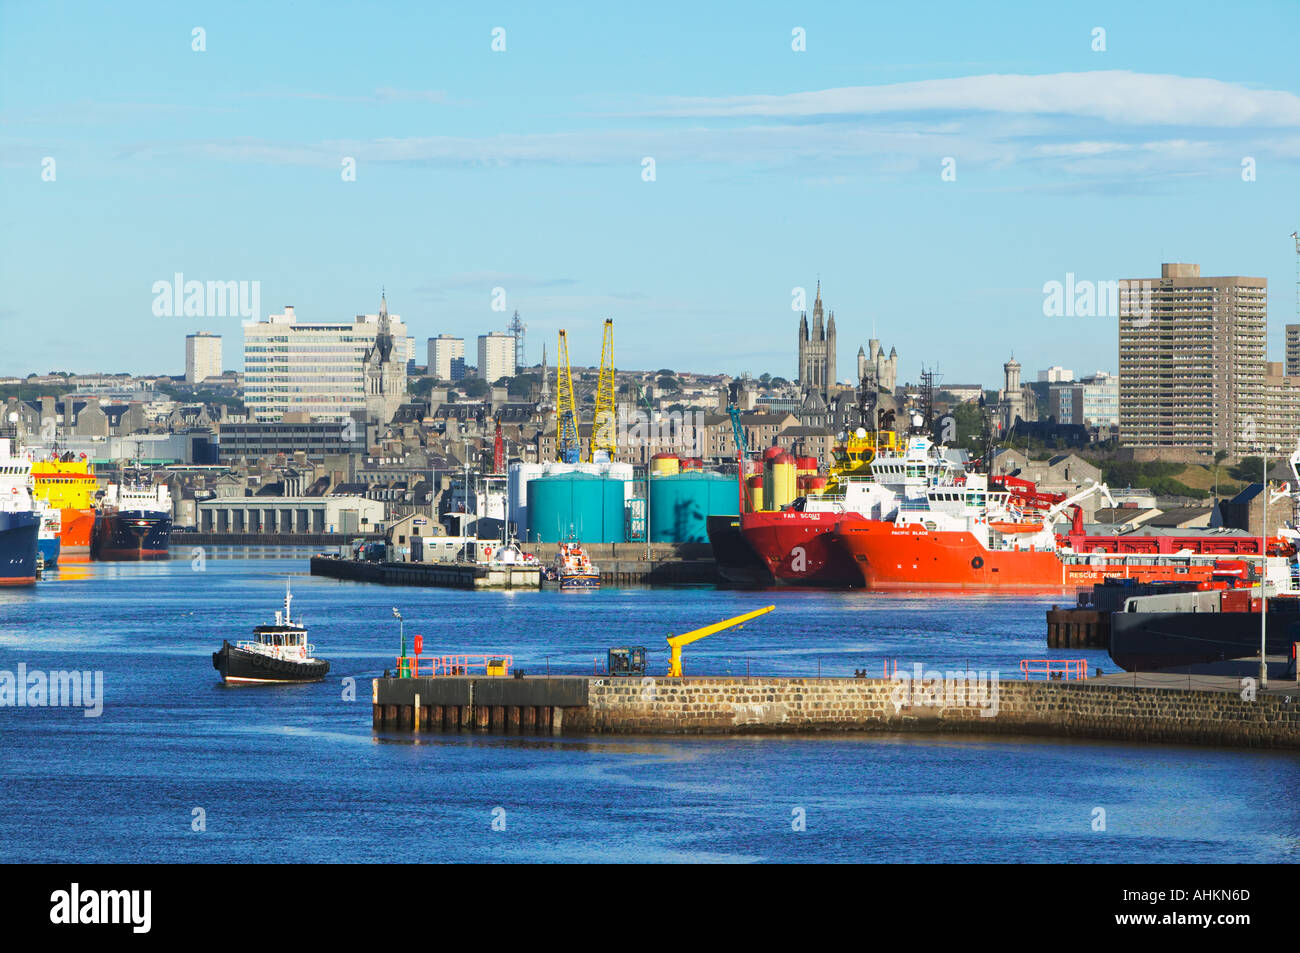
(604, 440)
(567, 442)
(675, 642)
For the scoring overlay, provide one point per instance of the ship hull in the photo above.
(133, 534)
(887, 556)
(579, 582)
(77, 531)
(1148, 641)
(237, 666)
(799, 549)
(18, 548)
(733, 557)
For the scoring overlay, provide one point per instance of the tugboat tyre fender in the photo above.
(977, 562)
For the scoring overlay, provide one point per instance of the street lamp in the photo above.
(401, 629)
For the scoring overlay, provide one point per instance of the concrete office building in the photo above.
(325, 370)
(496, 356)
(1092, 401)
(202, 356)
(1191, 360)
(442, 351)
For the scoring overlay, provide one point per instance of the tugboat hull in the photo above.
(577, 582)
(237, 665)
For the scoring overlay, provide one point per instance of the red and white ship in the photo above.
(992, 546)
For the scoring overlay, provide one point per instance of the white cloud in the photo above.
(1117, 96)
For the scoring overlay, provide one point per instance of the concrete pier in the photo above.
(1078, 629)
(1215, 712)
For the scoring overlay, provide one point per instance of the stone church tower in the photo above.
(873, 365)
(1011, 399)
(817, 350)
(385, 372)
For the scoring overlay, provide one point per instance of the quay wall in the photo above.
(793, 705)
(1057, 709)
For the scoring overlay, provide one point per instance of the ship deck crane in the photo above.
(567, 443)
(675, 642)
(604, 440)
(738, 436)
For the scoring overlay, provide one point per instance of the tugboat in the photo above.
(276, 653)
(574, 569)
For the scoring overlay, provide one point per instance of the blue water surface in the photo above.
(295, 773)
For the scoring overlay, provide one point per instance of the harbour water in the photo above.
(295, 773)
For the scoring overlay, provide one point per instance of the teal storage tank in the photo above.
(582, 505)
(680, 505)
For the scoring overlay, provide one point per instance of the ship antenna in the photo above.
(288, 597)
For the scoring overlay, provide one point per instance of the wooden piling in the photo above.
(498, 717)
(390, 714)
(544, 719)
(513, 718)
(481, 715)
(529, 717)
(377, 716)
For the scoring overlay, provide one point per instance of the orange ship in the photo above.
(69, 485)
(889, 555)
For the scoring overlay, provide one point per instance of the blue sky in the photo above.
(522, 169)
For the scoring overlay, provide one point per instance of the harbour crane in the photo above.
(675, 642)
(604, 439)
(567, 444)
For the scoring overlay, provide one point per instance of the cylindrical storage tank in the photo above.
(665, 464)
(681, 505)
(691, 464)
(806, 466)
(769, 479)
(583, 505)
(754, 492)
(521, 474)
(783, 480)
(816, 485)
